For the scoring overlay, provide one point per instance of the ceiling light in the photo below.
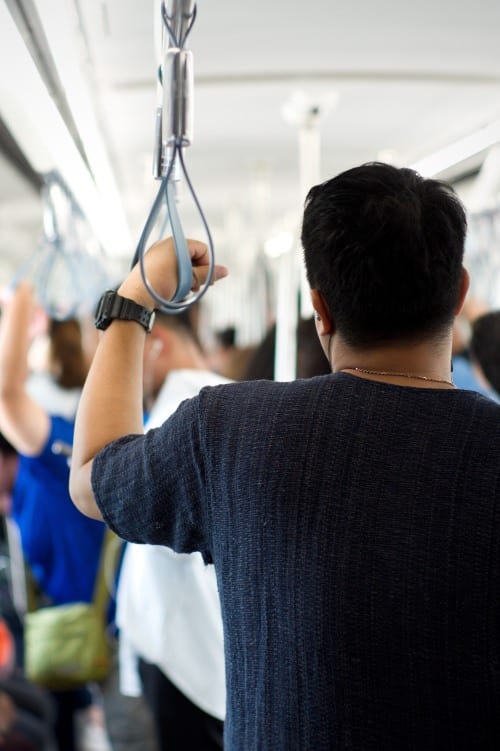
(278, 244)
(303, 109)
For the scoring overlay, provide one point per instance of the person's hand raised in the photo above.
(161, 272)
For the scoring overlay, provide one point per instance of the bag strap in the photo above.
(108, 561)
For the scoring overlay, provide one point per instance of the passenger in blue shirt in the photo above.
(466, 369)
(61, 546)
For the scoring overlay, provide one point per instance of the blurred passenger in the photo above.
(225, 344)
(485, 350)
(465, 376)
(13, 594)
(352, 518)
(26, 713)
(228, 359)
(61, 547)
(9, 464)
(168, 607)
(311, 360)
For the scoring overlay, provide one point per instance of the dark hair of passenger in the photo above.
(261, 364)
(67, 355)
(6, 448)
(311, 360)
(385, 248)
(485, 346)
(226, 337)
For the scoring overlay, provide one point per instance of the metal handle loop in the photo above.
(185, 272)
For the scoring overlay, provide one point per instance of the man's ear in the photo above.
(322, 316)
(464, 288)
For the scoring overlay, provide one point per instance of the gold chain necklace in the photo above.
(399, 375)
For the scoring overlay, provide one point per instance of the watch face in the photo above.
(102, 315)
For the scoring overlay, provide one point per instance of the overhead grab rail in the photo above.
(65, 274)
(173, 133)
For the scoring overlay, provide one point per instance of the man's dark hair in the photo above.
(385, 248)
(485, 346)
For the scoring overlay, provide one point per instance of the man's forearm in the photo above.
(111, 403)
(110, 406)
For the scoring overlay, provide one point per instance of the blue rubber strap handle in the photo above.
(184, 267)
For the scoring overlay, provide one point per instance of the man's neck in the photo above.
(423, 364)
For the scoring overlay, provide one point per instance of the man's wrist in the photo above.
(137, 294)
(112, 306)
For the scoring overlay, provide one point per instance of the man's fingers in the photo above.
(198, 251)
(220, 272)
(161, 263)
(200, 274)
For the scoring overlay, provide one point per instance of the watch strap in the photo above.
(113, 306)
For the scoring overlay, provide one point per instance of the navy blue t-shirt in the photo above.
(355, 531)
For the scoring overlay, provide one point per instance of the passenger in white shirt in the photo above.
(168, 607)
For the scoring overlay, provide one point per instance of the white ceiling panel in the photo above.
(409, 78)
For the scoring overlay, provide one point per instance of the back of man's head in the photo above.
(385, 248)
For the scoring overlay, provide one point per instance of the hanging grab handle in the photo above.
(174, 132)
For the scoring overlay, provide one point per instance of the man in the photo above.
(168, 606)
(352, 518)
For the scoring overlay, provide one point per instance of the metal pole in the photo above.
(292, 281)
(309, 161)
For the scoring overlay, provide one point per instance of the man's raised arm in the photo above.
(111, 402)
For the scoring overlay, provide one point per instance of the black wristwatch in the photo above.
(112, 306)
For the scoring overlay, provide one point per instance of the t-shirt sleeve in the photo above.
(151, 488)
